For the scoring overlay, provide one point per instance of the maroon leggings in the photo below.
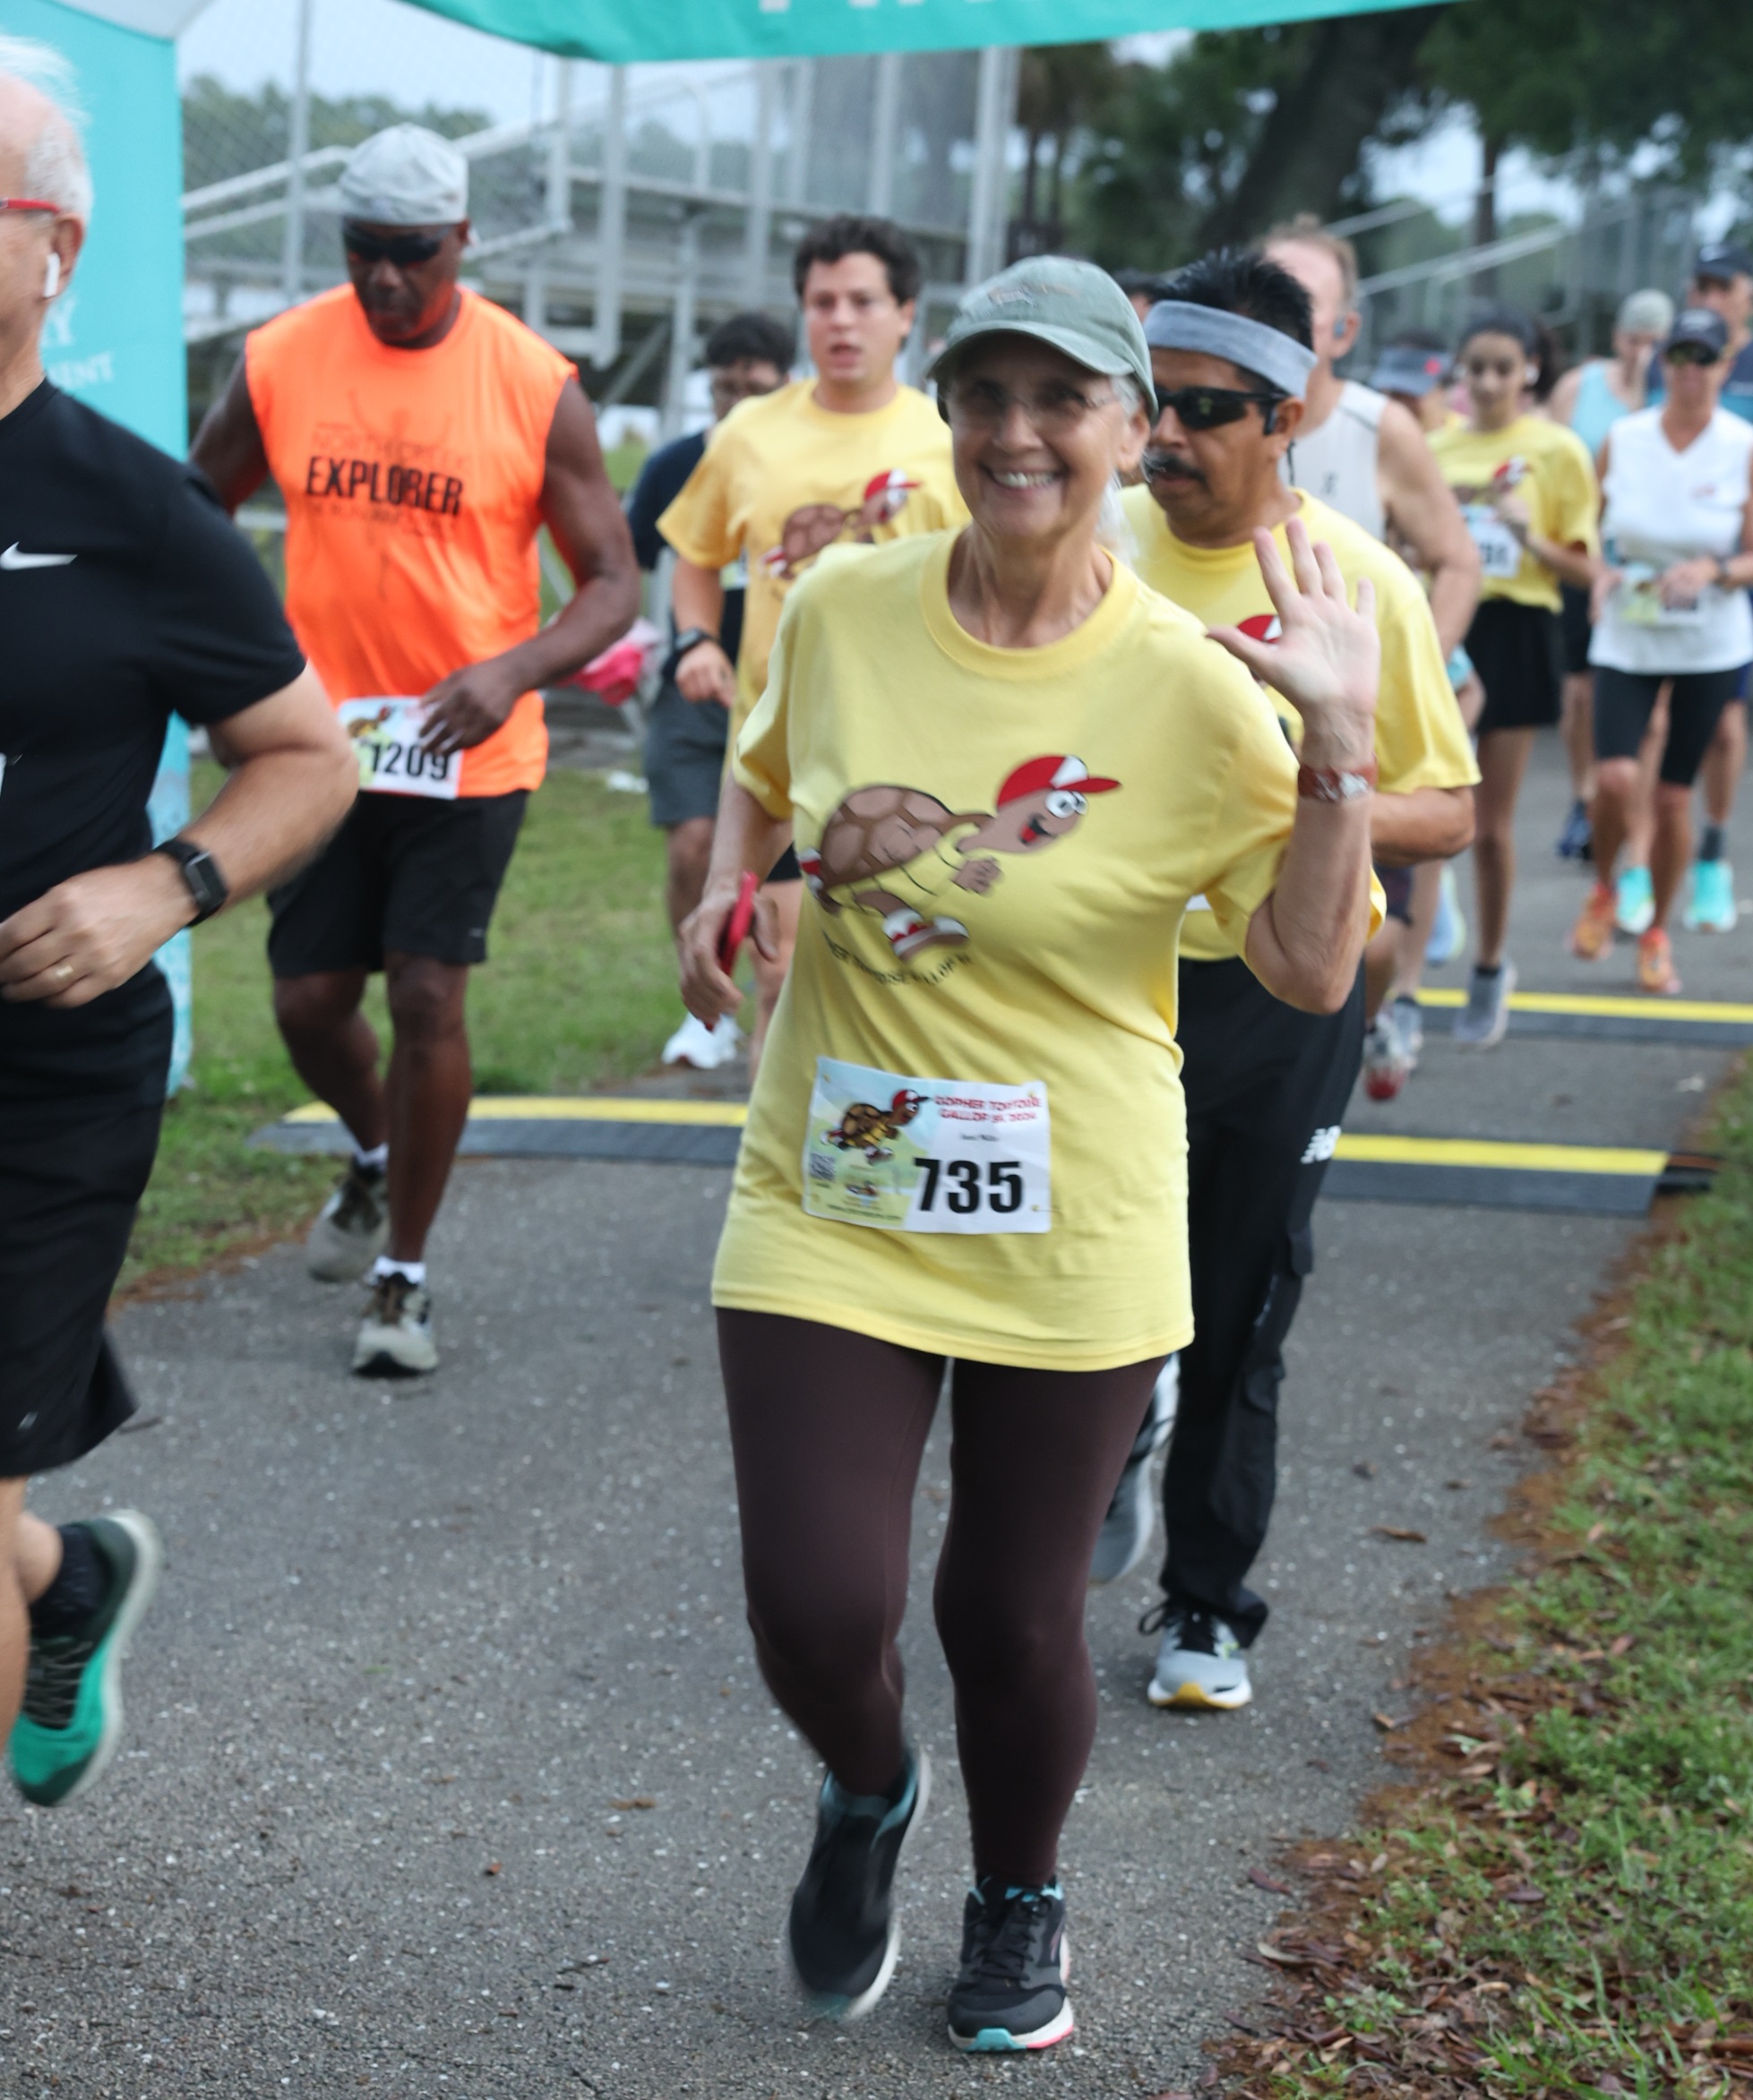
(828, 1428)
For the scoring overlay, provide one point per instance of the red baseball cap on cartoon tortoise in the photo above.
(1068, 775)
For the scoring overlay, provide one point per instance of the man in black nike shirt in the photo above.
(124, 595)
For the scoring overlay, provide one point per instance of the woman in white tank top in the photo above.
(1671, 605)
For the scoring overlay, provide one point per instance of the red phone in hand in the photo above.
(742, 917)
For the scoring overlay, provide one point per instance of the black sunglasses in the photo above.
(404, 250)
(1690, 353)
(1207, 407)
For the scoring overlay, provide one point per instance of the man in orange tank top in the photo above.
(421, 437)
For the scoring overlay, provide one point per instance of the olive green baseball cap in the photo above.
(1072, 306)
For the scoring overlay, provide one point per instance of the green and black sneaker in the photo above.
(71, 1725)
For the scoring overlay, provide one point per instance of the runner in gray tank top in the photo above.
(1366, 456)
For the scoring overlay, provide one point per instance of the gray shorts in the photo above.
(684, 756)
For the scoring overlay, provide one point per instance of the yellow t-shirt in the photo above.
(1550, 468)
(1420, 738)
(782, 478)
(999, 845)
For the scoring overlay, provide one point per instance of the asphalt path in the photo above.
(448, 1770)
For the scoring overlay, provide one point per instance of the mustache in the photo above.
(1161, 465)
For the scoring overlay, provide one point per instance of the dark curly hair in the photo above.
(850, 234)
(751, 335)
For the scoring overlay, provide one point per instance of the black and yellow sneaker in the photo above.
(70, 1723)
(1010, 1993)
(843, 1935)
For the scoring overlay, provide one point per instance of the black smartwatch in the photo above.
(691, 638)
(200, 871)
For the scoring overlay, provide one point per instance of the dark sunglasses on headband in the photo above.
(1690, 353)
(1206, 407)
(404, 250)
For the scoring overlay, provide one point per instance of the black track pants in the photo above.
(827, 1428)
(1267, 1088)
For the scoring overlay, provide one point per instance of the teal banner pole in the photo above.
(115, 338)
(620, 35)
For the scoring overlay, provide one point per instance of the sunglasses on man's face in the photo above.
(1690, 353)
(403, 249)
(1207, 407)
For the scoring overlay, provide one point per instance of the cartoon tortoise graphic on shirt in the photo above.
(893, 851)
(867, 1128)
(815, 525)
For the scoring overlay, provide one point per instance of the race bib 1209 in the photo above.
(926, 1155)
(392, 760)
(1499, 550)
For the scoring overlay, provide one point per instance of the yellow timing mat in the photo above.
(1367, 1166)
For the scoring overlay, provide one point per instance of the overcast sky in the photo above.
(385, 47)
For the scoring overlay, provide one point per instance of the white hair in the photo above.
(1112, 530)
(56, 166)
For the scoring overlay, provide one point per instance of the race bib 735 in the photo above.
(926, 1155)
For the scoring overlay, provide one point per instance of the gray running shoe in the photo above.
(395, 1337)
(1011, 1993)
(843, 1935)
(351, 1229)
(1199, 1661)
(1131, 1519)
(1409, 1026)
(1483, 1021)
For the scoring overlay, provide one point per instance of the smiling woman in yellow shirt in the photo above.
(1527, 490)
(1008, 766)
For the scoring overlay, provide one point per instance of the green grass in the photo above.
(580, 990)
(1594, 1867)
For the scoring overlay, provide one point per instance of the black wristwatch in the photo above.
(691, 638)
(200, 871)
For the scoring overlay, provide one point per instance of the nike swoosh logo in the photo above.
(13, 559)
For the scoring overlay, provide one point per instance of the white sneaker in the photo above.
(395, 1336)
(1131, 1519)
(351, 1228)
(1484, 1019)
(694, 1043)
(1200, 1662)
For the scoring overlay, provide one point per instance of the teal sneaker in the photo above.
(1711, 907)
(71, 1725)
(1634, 902)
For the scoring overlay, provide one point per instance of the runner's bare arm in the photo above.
(1305, 941)
(1561, 402)
(746, 838)
(1421, 506)
(293, 778)
(227, 447)
(1428, 824)
(697, 599)
(581, 510)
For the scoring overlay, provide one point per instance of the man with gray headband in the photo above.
(421, 437)
(1267, 1087)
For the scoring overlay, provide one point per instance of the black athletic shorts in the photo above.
(72, 1171)
(684, 756)
(1518, 653)
(1574, 622)
(1624, 701)
(405, 874)
(1396, 888)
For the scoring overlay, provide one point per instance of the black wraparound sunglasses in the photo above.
(404, 250)
(1207, 407)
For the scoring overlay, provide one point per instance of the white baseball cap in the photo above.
(407, 176)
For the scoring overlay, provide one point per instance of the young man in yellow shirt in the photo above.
(850, 456)
(1265, 1085)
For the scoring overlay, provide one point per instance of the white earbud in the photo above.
(1533, 375)
(51, 275)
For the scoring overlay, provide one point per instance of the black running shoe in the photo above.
(843, 1933)
(1011, 1993)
